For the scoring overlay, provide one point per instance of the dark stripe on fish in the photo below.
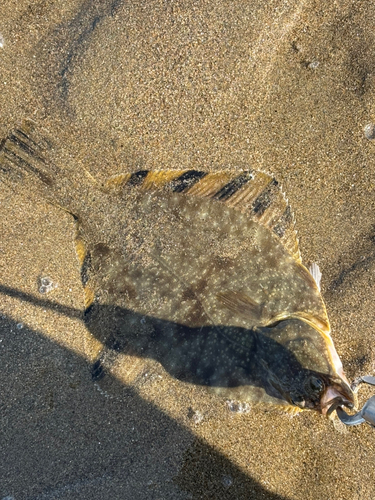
(187, 180)
(89, 312)
(284, 222)
(17, 160)
(233, 186)
(27, 138)
(85, 269)
(97, 370)
(137, 178)
(23, 146)
(265, 198)
(2, 143)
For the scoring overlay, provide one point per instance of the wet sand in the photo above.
(284, 87)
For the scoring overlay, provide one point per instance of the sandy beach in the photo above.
(285, 87)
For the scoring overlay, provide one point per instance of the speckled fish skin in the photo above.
(198, 271)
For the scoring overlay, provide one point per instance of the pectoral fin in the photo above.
(240, 303)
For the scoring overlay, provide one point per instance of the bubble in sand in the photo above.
(369, 131)
(227, 481)
(196, 416)
(46, 285)
(238, 407)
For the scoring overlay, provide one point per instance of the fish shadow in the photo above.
(221, 357)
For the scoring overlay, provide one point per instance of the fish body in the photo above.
(200, 271)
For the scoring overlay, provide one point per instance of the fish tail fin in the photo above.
(28, 163)
(24, 157)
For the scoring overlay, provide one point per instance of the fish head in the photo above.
(320, 391)
(305, 368)
(337, 393)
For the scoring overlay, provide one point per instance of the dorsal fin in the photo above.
(252, 192)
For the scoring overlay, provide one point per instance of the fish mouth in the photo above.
(338, 393)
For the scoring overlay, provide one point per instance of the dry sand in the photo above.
(282, 86)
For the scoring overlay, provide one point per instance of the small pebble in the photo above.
(196, 416)
(369, 131)
(313, 64)
(1, 41)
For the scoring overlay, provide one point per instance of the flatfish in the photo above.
(200, 271)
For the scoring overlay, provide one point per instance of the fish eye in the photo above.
(316, 385)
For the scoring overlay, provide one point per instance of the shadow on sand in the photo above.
(62, 438)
